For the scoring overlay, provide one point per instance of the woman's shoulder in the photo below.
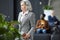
(49, 16)
(38, 20)
(20, 12)
(31, 12)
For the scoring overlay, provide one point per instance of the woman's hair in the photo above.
(28, 4)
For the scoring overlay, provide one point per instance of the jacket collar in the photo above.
(25, 13)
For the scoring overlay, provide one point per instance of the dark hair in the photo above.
(43, 15)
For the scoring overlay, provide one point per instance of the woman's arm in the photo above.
(19, 17)
(37, 24)
(32, 22)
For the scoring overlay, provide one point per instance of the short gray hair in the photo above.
(28, 4)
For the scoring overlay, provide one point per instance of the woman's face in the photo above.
(52, 14)
(23, 7)
(41, 16)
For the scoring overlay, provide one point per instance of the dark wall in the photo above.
(17, 9)
(11, 8)
(6, 8)
(37, 8)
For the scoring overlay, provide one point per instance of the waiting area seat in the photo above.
(46, 37)
(41, 37)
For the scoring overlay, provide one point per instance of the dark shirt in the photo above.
(52, 19)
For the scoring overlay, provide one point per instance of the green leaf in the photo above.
(46, 7)
(7, 28)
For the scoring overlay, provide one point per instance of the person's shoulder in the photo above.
(31, 12)
(38, 20)
(20, 12)
(46, 21)
(49, 16)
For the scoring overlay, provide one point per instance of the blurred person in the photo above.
(52, 19)
(42, 25)
(53, 22)
(26, 17)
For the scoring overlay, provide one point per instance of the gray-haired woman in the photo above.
(26, 17)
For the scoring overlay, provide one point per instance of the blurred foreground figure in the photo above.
(26, 17)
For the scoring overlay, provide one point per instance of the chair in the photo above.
(41, 37)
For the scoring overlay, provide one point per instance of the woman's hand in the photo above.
(27, 36)
(24, 35)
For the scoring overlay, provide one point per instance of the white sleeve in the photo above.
(19, 17)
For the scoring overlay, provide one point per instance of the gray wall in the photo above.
(6, 8)
(56, 5)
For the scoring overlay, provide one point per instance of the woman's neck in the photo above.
(24, 11)
(52, 15)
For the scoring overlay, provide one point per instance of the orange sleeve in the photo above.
(47, 26)
(37, 23)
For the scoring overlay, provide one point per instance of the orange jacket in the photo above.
(43, 24)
